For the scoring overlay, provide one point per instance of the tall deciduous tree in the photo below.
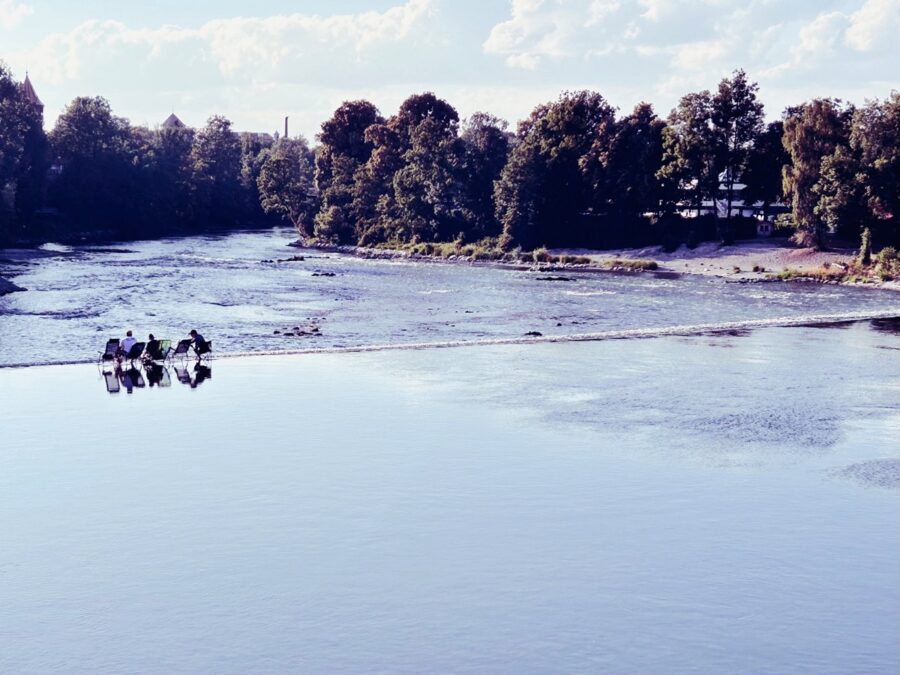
(411, 188)
(689, 149)
(875, 138)
(343, 150)
(216, 158)
(487, 144)
(546, 188)
(737, 119)
(286, 184)
(23, 151)
(762, 173)
(812, 132)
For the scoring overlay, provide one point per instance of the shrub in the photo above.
(636, 265)
(541, 255)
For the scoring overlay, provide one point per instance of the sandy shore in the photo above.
(735, 261)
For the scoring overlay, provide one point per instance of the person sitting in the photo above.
(127, 344)
(152, 349)
(200, 344)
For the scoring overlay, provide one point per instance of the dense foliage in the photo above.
(573, 174)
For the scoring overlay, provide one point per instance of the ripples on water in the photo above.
(233, 290)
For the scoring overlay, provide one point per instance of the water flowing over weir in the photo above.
(251, 294)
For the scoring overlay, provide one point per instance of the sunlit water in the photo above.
(229, 288)
(703, 504)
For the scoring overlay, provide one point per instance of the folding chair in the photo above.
(135, 352)
(109, 354)
(181, 349)
(112, 381)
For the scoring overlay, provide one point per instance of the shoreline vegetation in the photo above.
(752, 261)
(577, 183)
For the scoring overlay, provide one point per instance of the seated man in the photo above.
(152, 349)
(127, 344)
(200, 345)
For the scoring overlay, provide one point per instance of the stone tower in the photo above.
(31, 95)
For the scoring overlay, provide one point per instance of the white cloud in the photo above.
(538, 30)
(874, 24)
(12, 13)
(232, 45)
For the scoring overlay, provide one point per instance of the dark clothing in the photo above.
(152, 349)
(200, 345)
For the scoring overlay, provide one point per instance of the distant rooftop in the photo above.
(172, 122)
(30, 94)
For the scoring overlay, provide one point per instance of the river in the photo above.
(716, 500)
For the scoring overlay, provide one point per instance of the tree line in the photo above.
(574, 173)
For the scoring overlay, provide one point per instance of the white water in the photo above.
(231, 289)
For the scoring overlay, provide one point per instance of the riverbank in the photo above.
(757, 260)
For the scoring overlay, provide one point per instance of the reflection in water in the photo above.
(157, 375)
(887, 325)
(201, 372)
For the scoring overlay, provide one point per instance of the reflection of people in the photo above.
(200, 345)
(127, 344)
(201, 373)
(154, 373)
(152, 348)
(127, 381)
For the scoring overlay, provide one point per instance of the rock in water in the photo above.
(6, 286)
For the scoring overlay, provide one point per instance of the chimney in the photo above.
(285, 127)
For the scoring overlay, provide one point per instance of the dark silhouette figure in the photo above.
(201, 374)
(154, 374)
(201, 346)
(152, 348)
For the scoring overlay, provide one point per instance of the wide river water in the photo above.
(233, 290)
(708, 502)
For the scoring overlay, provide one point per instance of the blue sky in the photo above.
(257, 62)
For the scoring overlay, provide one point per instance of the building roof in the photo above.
(172, 122)
(30, 93)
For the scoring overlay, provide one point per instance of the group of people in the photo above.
(152, 349)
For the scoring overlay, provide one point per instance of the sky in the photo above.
(258, 62)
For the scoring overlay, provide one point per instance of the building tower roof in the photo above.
(172, 122)
(30, 94)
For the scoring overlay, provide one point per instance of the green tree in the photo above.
(412, 187)
(216, 160)
(689, 149)
(95, 189)
(23, 151)
(875, 140)
(765, 162)
(286, 183)
(812, 132)
(546, 186)
(737, 120)
(343, 151)
(486, 142)
(630, 164)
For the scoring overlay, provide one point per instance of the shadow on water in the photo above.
(891, 326)
(153, 374)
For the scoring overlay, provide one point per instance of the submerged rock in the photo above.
(6, 286)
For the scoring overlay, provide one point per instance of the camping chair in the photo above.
(162, 354)
(112, 381)
(135, 352)
(182, 374)
(206, 351)
(165, 346)
(181, 349)
(109, 354)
